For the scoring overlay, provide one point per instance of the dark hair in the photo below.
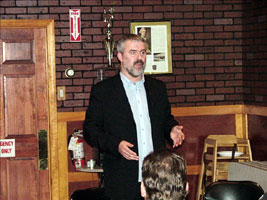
(132, 37)
(164, 175)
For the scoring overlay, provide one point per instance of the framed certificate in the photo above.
(158, 45)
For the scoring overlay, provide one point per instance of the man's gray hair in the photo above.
(131, 37)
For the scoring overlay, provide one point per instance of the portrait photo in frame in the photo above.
(158, 45)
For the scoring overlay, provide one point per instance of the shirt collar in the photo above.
(129, 83)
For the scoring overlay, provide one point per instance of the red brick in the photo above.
(183, 22)
(223, 35)
(205, 91)
(203, 8)
(194, 43)
(213, 42)
(213, 70)
(152, 2)
(194, 70)
(142, 9)
(164, 8)
(213, 28)
(15, 10)
(26, 3)
(127, 16)
(27, 16)
(71, 60)
(100, 52)
(73, 103)
(193, 1)
(233, 28)
(81, 53)
(203, 22)
(224, 49)
(92, 3)
(204, 63)
(40, 10)
(48, 2)
(213, 15)
(63, 53)
(184, 36)
(69, 3)
(215, 98)
(192, 15)
(183, 50)
(215, 84)
(126, 9)
(224, 90)
(233, 14)
(224, 77)
(194, 29)
(59, 10)
(195, 98)
(223, 7)
(92, 45)
(93, 60)
(91, 16)
(81, 96)
(82, 81)
(223, 21)
(62, 38)
(204, 77)
(194, 57)
(153, 16)
(233, 83)
(183, 8)
(195, 84)
(7, 3)
(204, 50)
(175, 85)
(233, 56)
(185, 92)
(73, 45)
(215, 56)
(224, 63)
(49, 16)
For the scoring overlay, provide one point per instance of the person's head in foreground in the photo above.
(164, 176)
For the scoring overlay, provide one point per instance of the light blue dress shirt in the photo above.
(136, 95)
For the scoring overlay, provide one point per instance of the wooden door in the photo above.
(25, 97)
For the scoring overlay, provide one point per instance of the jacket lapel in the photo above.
(121, 95)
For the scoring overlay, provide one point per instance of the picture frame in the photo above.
(158, 44)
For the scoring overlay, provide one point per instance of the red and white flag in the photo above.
(75, 25)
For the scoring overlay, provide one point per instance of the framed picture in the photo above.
(158, 45)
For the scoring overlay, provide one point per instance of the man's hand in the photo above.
(177, 135)
(126, 152)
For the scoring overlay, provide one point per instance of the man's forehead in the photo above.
(133, 44)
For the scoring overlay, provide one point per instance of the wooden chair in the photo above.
(214, 167)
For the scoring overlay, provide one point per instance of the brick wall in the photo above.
(255, 53)
(218, 47)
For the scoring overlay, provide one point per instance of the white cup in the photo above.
(91, 163)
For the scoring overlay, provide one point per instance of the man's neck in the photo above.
(131, 78)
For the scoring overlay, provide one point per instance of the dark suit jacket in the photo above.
(109, 120)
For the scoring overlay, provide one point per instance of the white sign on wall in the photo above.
(75, 25)
(7, 148)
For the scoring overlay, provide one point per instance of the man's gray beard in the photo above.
(131, 71)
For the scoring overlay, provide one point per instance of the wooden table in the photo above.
(96, 169)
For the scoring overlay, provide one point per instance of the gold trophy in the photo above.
(109, 42)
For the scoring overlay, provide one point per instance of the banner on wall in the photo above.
(75, 25)
(7, 148)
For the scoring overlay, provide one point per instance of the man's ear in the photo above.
(143, 190)
(119, 56)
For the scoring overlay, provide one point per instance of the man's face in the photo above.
(133, 59)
